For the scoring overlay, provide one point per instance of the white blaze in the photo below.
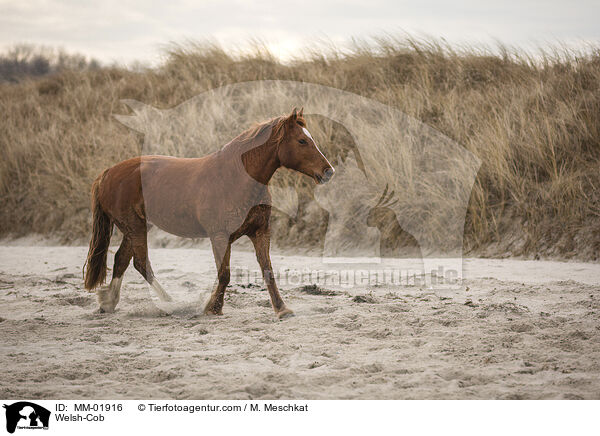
(307, 133)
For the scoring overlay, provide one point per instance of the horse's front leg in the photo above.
(261, 241)
(221, 250)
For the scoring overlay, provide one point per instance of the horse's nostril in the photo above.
(325, 176)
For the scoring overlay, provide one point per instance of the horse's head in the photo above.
(298, 150)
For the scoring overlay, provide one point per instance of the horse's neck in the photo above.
(261, 162)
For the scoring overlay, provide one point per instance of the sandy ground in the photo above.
(519, 330)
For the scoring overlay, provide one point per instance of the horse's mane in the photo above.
(274, 127)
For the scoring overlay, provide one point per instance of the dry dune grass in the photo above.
(533, 121)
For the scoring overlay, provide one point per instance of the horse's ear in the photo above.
(294, 115)
(291, 120)
(301, 113)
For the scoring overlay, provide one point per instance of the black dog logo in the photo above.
(27, 415)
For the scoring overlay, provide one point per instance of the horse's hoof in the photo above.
(285, 313)
(104, 310)
(213, 313)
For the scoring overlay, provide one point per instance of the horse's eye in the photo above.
(303, 141)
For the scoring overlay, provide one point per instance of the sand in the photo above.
(517, 330)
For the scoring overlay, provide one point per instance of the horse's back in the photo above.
(132, 174)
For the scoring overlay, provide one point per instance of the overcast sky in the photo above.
(125, 31)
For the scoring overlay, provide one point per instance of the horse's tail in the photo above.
(95, 265)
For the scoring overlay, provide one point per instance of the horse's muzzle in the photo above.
(327, 175)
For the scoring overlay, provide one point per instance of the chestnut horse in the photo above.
(222, 196)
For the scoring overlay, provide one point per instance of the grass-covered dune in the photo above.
(533, 121)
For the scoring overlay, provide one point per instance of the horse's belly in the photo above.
(174, 216)
(179, 227)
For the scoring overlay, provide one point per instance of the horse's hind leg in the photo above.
(109, 297)
(141, 262)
